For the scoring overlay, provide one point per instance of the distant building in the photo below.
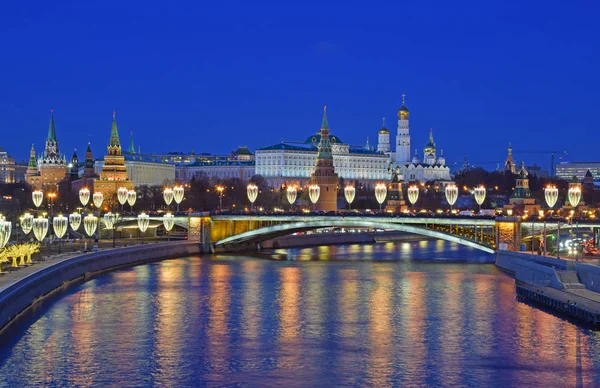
(509, 165)
(537, 171)
(432, 168)
(85, 172)
(521, 201)
(10, 172)
(215, 169)
(568, 170)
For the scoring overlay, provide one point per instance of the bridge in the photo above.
(246, 232)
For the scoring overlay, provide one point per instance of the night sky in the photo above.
(214, 76)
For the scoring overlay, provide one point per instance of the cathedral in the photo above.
(431, 168)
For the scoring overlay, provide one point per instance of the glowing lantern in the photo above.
(574, 195)
(291, 193)
(40, 228)
(168, 195)
(38, 197)
(84, 196)
(178, 194)
(413, 194)
(551, 195)
(109, 220)
(59, 224)
(143, 221)
(5, 229)
(75, 220)
(26, 222)
(168, 221)
(252, 192)
(98, 198)
(380, 193)
(314, 191)
(131, 197)
(479, 194)
(122, 195)
(451, 194)
(349, 193)
(90, 223)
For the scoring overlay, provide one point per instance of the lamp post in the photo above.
(574, 198)
(5, 230)
(220, 190)
(168, 196)
(90, 224)
(98, 198)
(122, 196)
(38, 197)
(59, 224)
(40, 228)
(168, 223)
(178, 195)
(451, 194)
(349, 193)
(291, 193)
(131, 198)
(143, 221)
(380, 194)
(314, 191)
(551, 196)
(252, 192)
(51, 198)
(413, 194)
(479, 194)
(75, 221)
(26, 221)
(84, 196)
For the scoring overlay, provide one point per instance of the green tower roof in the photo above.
(114, 133)
(32, 160)
(51, 128)
(131, 146)
(324, 124)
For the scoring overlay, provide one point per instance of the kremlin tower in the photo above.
(403, 137)
(383, 140)
(509, 165)
(114, 173)
(324, 174)
(51, 165)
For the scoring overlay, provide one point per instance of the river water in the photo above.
(368, 315)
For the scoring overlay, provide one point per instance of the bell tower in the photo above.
(403, 136)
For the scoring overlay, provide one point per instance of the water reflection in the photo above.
(348, 315)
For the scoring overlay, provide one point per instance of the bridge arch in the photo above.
(270, 232)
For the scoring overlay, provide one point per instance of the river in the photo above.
(388, 314)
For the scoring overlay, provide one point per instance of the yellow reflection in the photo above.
(415, 293)
(218, 305)
(289, 303)
(251, 308)
(379, 368)
(452, 327)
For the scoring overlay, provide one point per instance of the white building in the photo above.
(432, 168)
(216, 169)
(567, 170)
(403, 136)
(286, 162)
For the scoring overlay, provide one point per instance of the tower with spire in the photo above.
(114, 172)
(51, 164)
(324, 174)
(131, 146)
(383, 140)
(509, 165)
(74, 170)
(403, 136)
(429, 152)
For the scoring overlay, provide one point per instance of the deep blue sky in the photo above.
(214, 76)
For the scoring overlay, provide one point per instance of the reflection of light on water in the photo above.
(379, 368)
(314, 293)
(452, 339)
(218, 306)
(348, 306)
(251, 307)
(414, 318)
(289, 303)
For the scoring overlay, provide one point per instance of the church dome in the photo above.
(384, 131)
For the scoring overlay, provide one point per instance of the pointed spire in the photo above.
(384, 122)
(367, 146)
(74, 154)
(324, 124)
(131, 147)
(114, 134)
(32, 159)
(51, 128)
(403, 97)
(89, 148)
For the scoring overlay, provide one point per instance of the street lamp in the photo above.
(90, 223)
(98, 198)
(252, 192)
(178, 195)
(574, 195)
(110, 221)
(451, 194)
(551, 196)
(51, 198)
(38, 197)
(5, 229)
(75, 220)
(479, 194)
(122, 196)
(349, 193)
(168, 222)
(413, 194)
(84, 196)
(291, 193)
(131, 197)
(143, 221)
(314, 191)
(168, 195)
(40, 228)
(220, 190)
(380, 194)
(59, 224)
(26, 221)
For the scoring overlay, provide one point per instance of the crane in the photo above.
(552, 154)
